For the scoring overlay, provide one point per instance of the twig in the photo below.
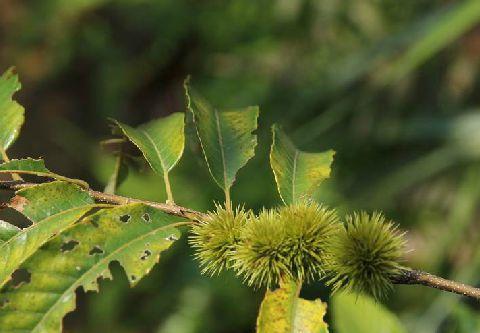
(426, 279)
(171, 209)
(408, 276)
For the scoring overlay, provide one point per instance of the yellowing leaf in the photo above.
(282, 311)
(133, 235)
(309, 316)
(226, 138)
(161, 142)
(51, 207)
(361, 314)
(11, 113)
(297, 173)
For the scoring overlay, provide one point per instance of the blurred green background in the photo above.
(393, 86)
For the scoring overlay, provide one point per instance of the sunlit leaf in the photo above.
(30, 166)
(7, 231)
(226, 138)
(283, 311)
(297, 173)
(51, 207)
(161, 142)
(11, 113)
(133, 235)
(361, 314)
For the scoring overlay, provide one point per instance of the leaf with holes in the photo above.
(133, 235)
(282, 311)
(161, 142)
(30, 166)
(355, 307)
(225, 136)
(297, 173)
(11, 113)
(52, 207)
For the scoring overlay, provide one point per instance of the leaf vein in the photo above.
(220, 142)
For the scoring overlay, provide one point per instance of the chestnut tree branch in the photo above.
(168, 208)
(411, 276)
(408, 276)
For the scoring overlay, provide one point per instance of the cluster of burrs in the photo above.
(305, 242)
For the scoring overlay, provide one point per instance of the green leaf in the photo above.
(133, 235)
(361, 314)
(7, 231)
(28, 166)
(282, 311)
(51, 207)
(31, 166)
(161, 142)
(45, 200)
(297, 173)
(11, 113)
(225, 136)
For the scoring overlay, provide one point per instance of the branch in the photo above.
(171, 209)
(409, 276)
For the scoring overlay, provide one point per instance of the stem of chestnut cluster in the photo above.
(407, 276)
(411, 276)
(114, 199)
(228, 202)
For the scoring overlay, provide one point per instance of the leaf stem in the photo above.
(168, 188)
(113, 181)
(411, 276)
(228, 201)
(4, 155)
(5, 158)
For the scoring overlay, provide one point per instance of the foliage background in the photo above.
(392, 86)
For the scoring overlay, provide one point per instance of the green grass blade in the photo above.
(458, 20)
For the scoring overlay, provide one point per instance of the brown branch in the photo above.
(409, 276)
(171, 209)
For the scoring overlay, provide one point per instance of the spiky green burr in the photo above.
(290, 242)
(215, 238)
(366, 254)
